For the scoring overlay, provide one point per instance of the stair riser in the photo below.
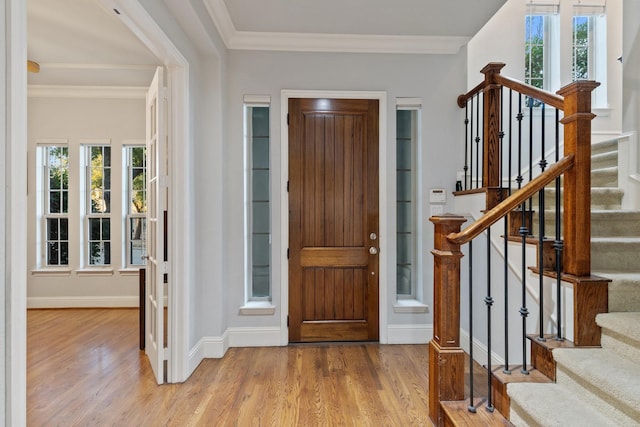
(601, 198)
(604, 160)
(597, 398)
(624, 295)
(622, 346)
(604, 178)
(615, 256)
(604, 147)
(603, 224)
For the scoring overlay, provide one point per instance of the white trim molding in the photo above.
(13, 205)
(92, 92)
(84, 302)
(316, 42)
(254, 336)
(409, 334)
(137, 19)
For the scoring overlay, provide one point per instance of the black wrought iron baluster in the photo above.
(466, 142)
(519, 117)
(523, 231)
(471, 147)
(489, 303)
(472, 406)
(558, 243)
(478, 182)
(531, 153)
(506, 369)
(541, 222)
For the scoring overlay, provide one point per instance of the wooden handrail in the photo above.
(531, 91)
(462, 99)
(494, 77)
(512, 202)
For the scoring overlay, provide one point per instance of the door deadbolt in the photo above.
(373, 250)
(373, 236)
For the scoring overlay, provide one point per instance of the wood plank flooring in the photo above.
(85, 369)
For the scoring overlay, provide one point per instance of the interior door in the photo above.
(156, 217)
(333, 220)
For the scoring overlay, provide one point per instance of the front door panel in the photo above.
(333, 200)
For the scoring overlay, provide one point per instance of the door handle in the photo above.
(373, 250)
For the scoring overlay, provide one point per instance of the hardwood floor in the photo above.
(85, 369)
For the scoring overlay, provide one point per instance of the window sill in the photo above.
(129, 271)
(51, 272)
(95, 272)
(258, 308)
(410, 306)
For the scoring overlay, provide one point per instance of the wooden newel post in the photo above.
(446, 358)
(577, 180)
(491, 132)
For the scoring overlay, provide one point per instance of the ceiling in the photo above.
(82, 43)
(372, 17)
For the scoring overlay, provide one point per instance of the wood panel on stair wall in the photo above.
(333, 220)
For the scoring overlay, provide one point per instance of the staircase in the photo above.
(598, 386)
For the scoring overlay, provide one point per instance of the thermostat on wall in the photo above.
(437, 195)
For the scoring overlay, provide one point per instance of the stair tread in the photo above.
(458, 414)
(551, 405)
(612, 378)
(625, 323)
(617, 275)
(619, 239)
(607, 169)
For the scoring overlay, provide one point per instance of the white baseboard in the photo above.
(208, 348)
(409, 334)
(254, 337)
(83, 302)
(216, 347)
(479, 350)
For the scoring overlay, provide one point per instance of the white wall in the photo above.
(437, 79)
(189, 29)
(5, 117)
(118, 121)
(500, 40)
(631, 66)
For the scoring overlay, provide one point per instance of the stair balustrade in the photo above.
(507, 127)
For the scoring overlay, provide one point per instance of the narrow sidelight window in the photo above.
(406, 202)
(257, 199)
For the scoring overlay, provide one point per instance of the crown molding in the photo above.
(104, 92)
(77, 66)
(315, 42)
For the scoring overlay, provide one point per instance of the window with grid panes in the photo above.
(98, 208)
(258, 200)
(135, 205)
(56, 205)
(406, 202)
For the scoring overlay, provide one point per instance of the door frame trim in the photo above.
(135, 17)
(381, 96)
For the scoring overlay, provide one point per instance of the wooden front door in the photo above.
(333, 220)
